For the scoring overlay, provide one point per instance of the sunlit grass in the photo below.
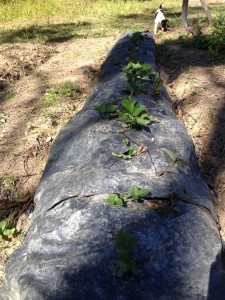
(58, 20)
(42, 11)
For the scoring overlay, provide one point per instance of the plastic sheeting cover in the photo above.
(71, 241)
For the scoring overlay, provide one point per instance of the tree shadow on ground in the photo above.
(216, 290)
(173, 14)
(126, 21)
(177, 61)
(47, 33)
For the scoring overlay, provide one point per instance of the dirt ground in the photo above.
(195, 81)
(28, 129)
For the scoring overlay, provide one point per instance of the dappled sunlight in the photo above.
(45, 34)
(195, 80)
(77, 30)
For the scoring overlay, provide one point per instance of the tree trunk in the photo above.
(185, 14)
(207, 12)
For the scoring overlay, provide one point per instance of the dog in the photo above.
(160, 19)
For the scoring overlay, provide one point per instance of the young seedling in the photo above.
(137, 193)
(126, 142)
(114, 200)
(134, 114)
(106, 109)
(125, 263)
(135, 72)
(174, 158)
(160, 103)
(138, 76)
(127, 154)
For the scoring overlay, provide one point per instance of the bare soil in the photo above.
(28, 129)
(195, 81)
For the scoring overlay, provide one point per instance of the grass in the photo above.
(59, 20)
(67, 89)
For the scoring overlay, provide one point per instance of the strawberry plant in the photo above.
(174, 158)
(125, 263)
(106, 109)
(137, 74)
(136, 194)
(127, 154)
(114, 200)
(134, 114)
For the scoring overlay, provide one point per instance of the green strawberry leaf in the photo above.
(129, 105)
(171, 154)
(138, 109)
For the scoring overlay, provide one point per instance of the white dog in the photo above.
(160, 19)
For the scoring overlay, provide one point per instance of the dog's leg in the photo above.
(155, 27)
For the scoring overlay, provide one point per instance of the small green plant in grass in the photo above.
(69, 89)
(213, 39)
(46, 113)
(134, 114)
(31, 125)
(86, 72)
(66, 89)
(125, 263)
(17, 196)
(217, 39)
(8, 182)
(50, 97)
(6, 229)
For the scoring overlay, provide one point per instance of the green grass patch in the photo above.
(50, 21)
(213, 39)
(67, 89)
(58, 20)
(43, 34)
